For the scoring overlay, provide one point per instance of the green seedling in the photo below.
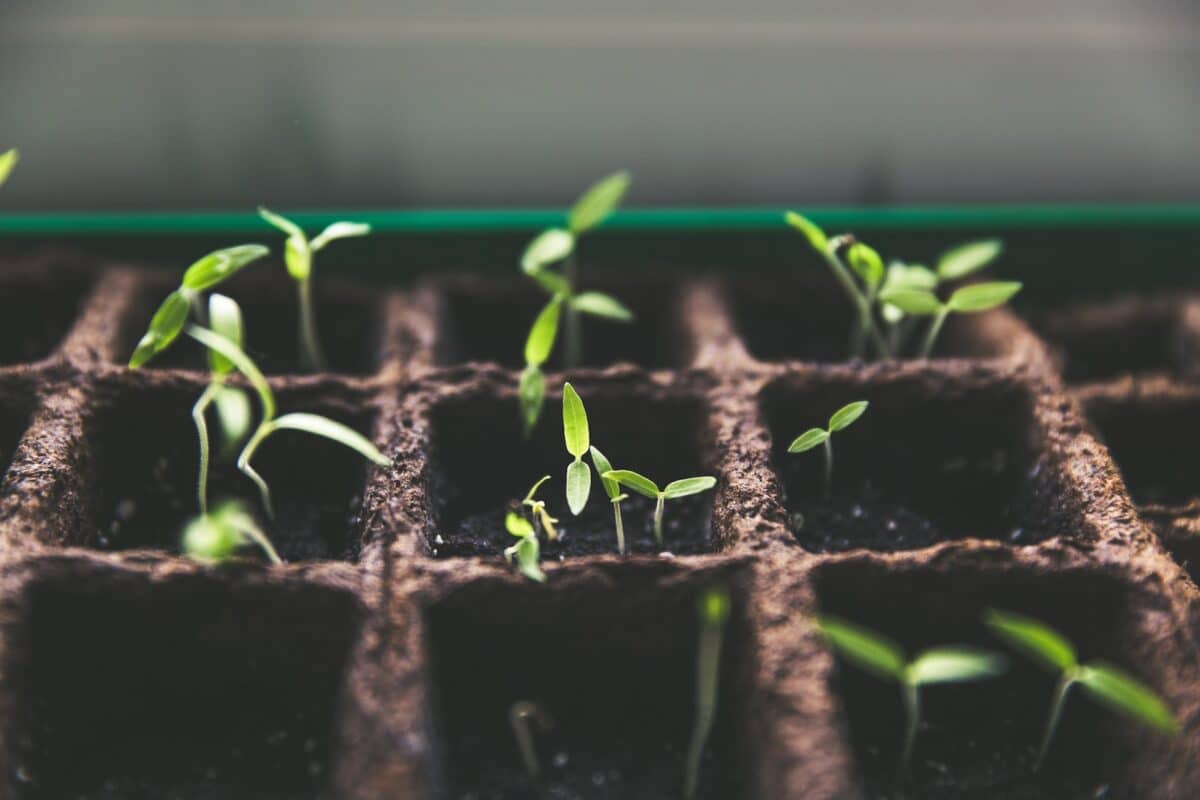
(966, 300)
(216, 536)
(8, 161)
(672, 491)
(1107, 684)
(615, 495)
(537, 509)
(841, 419)
(712, 608)
(519, 715)
(885, 659)
(298, 255)
(575, 433)
(551, 247)
(526, 552)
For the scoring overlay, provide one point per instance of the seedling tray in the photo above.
(1052, 476)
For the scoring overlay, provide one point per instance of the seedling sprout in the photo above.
(8, 160)
(298, 257)
(1107, 684)
(527, 552)
(966, 300)
(713, 611)
(532, 388)
(214, 537)
(648, 488)
(575, 433)
(841, 419)
(537, 508)
(885, 659)
(615, 495)
(519, 715)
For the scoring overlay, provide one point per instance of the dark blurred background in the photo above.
(147, 104)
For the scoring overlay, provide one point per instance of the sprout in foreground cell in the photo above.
(1107, 684)
(674, 490)
(884, 659)
(527, 552)
(520, 714)
(8, 160)
(615, 495)
(712, 609)
(841, 419)
(298, 257)
(215, 536)
(575, 433)
(968, 300)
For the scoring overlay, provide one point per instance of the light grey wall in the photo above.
(155, 104)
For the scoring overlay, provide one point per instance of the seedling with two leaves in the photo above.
(8, 161)
(527, 551)
(675, 490)
(970, 299)
(841, 419)
(551, 247)
(215, 536)
(298, 255)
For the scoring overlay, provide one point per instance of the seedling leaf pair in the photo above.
(841, 419)
(615, 495)
(648, 488)
(575, 434)
(216, 536)
(966, 300)
(527, 551)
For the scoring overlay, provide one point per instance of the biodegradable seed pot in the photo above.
(1047, 474)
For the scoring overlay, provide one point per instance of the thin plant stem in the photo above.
(1056, 708)
(259, 538)
(573, 327)
(658, 519)
(866, 327)
(312, 357)
(198, 411)
(912, 709)
(935, 327)
(519, 714)
(243, 465)
(828, 468)
(616, 504)
(708, 666)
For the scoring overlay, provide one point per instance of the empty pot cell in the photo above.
(483, 466)
(143, 455)
(804, 317)
(980, 739)
(349, 326)
(489, 320)
(14, 421)
(37, 310)
(614, 669)
(187, 688)
(930, 460)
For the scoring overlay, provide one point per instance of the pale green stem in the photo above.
(708, 664)
(616, 504)
(912, 709)
(243, 464)
(828, 468)
(519, 715)
(198, 411)
(260, 539)
(866, 326)
(1056, 708)
(658, 519)
(573, 327)
(312, 357)
(935, 328)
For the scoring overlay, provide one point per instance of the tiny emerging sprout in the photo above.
(575, 433)
(215, 537)
(969, 299)
(712, 608)
(527, 552)
(298, 257)
(519, 715)
(615, 495)
(672, 491)
(1112, 687)
(884, 659)
(841, 419)
(538, 509)
(8, 160)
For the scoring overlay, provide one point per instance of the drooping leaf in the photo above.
(632, 480)
(575, 422)
(8, 160)
(225, 319)
(688, 486)
(297, 257)
(543, 333)
(982, 296)
(234, 415)
(280, 222)
(234, 514)
(598, 202)
(1033, 638)
(548, 247)
(599, 304)
(219, 265)
(874, 653)
(210, 539)
(333, 430)
(713, 605)
(811, 438)
(912, 301)
(339, 230)
(966, 259)
(531, 394)
(602, 465)
(528, 555)
(816, 237)
(518, 525)
(579, 486)
(954, 665)
(165, 327)
(866, 263)
(1124, 693)
(533, 489)
(845, 416)
(243, 363)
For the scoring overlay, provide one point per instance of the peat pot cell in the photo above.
(980, 740)
(36, 312)
(349, 324)
(613, 668)
(1103, 340)
(15, 405)
(803, 317)
(187, 689)
(483, 466)
(927, 462)
(143, 461)
(490, 320)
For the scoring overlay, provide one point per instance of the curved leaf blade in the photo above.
(955, 665)
(847, 415)
(541, 338)
(234, 415)
(579, 486)
(599, 304)
(531, 395)
(866, 263)
(243, 363)
(688, 486)
(813, 437)
(916, 302)
(598, 202)
(1034, 638)
(575, 422)
(816, 237)
(602, 465)
(280, 222)
(165, 327)
(1127, 695)
(339, 230)
(224, 319)
(332, 430)
(547, 247)
(875, 653)
(8, 161)
(967, 259)
(219, 265)
(632, 480)
(528, 555)
(982, 296)
(517, 525)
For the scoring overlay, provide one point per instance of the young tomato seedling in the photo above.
(575, 433)
(298, 257)
(615, 495)
(537, 508)
(519, 715)
(712, 608)
(1104, 682)
(214, 537)
(531, 390)
(527, 552)
(8, 160)
(966, 300)
(884, 659)
(672, 491)
(843, 418)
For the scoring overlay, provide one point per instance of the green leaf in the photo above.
(210, 539)
(808, 440)
(234, 415)
(966, 259)
(339, 230)
(866, 263)
(533, 489)
(599, 304)
(688, 486)
(713, 606)
(1033, 638)
(579, 486)
(845, 416)
(281, 222)
(240, 360)
(954, 665)
(575, 422)
(528, 555)
(224, 319)
(235, 515)
(333, 430)
(8, 160)
(816, 237)
(531, 394)
(165, 327)
(541, 336)
(598, 202)
(517, 525)
(912, 301)
(638, 483)
(219, 265)
(602, 465)
(982, 296)
(874, 653)
(297, 257)
(909, 276)
(552, 282)
(1124, 693)
(547, 247)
